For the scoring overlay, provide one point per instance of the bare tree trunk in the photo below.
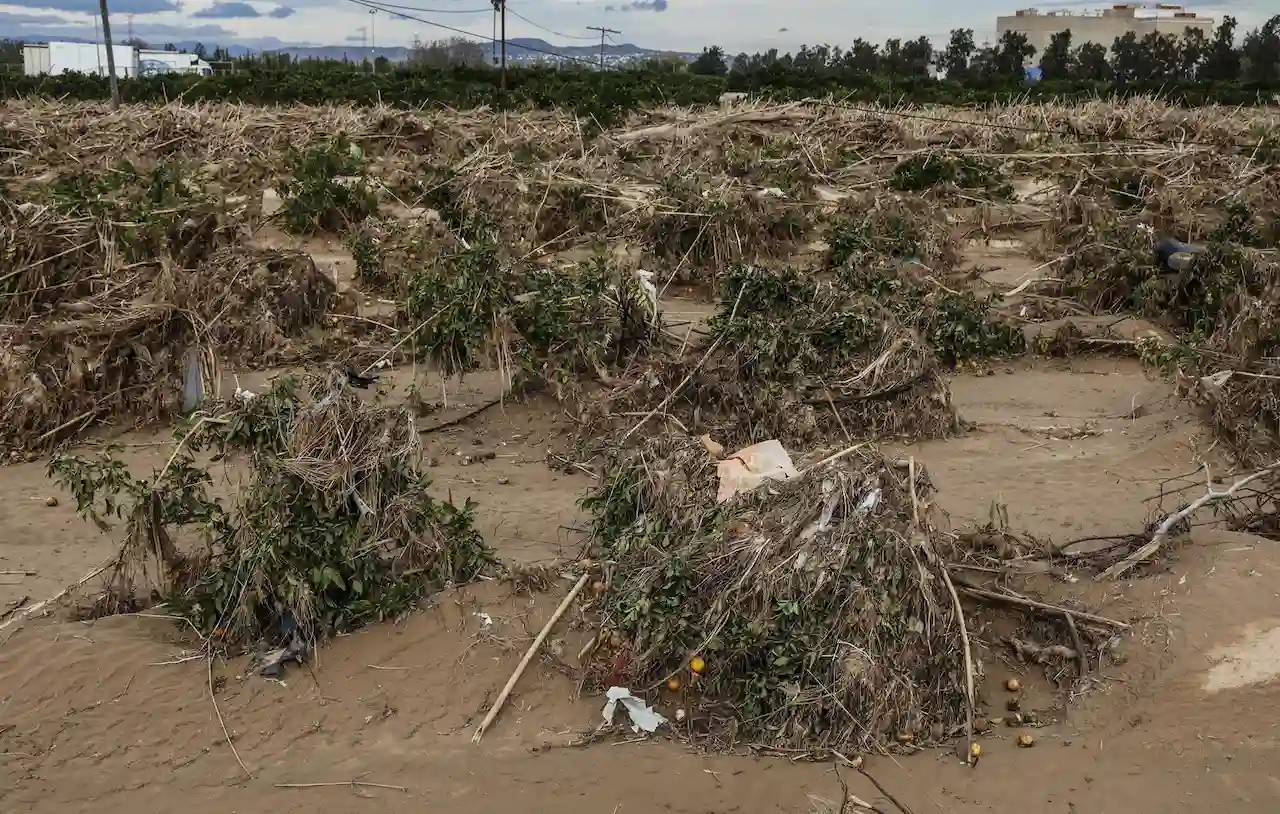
(111, 56)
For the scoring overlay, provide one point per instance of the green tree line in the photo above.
(1193, 69)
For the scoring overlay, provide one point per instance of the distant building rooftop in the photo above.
(1102, 25)
(1117, 11)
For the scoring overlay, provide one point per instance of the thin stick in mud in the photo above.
(528, 656)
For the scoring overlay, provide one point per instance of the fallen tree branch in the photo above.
(959, 608)
(352, 783)
(848, 798)
(1012, 599)
(968, 666)
(14, 607)
(1028, 283)
(213, 696)
(528, 656)
(1169, 523)
(31, 610)
(1082, 658)
(888, 796)
(453, 422)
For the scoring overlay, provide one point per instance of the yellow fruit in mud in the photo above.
(673, 684)
(969, 752)
(697, 665)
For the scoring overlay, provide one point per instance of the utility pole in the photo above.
(111, 56)
(500, 6)
(373, 32)
(603, 33)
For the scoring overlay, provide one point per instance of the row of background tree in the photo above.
(1154, 58)
(1193, 57)
(1192, 69)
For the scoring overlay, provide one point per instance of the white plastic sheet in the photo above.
(751, 466)
(641, 714)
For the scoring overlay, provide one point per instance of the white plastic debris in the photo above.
(824, 519)
(271, 203)
(641, 714)
(869, 501)
(644, 279)
(485, 620)
(751, 466)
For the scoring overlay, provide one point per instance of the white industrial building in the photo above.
(91, 58)
(152, 62)
(1103, 26)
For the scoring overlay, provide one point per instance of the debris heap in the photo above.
(1220, 301)
(334, 528)
(815, 603)
(805, 358)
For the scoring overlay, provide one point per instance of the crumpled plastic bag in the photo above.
(751, 466)
(641, 714)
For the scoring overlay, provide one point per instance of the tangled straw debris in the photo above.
(478, 308)
(334, 528)
(1219, 305)
(122, 353)
(818, 607)
(801, 359)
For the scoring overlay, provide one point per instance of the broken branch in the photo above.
(1031, 603)
(528, 656)
(1169, 523)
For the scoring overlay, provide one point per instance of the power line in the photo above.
(480, 37)
(436, 10)
(604, 32)
(500, 6)
(550, 30)
(111, 55)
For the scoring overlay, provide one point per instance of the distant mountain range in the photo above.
(519, 49)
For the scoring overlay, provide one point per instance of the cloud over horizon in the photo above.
(226, 11)
(234, 10)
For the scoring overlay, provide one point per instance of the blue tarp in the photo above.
(1034, 74)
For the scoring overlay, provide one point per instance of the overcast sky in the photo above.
(735, 25)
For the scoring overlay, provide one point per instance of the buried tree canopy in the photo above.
(335, 527)
(820, 611)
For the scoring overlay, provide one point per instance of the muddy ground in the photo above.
(116, 713)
